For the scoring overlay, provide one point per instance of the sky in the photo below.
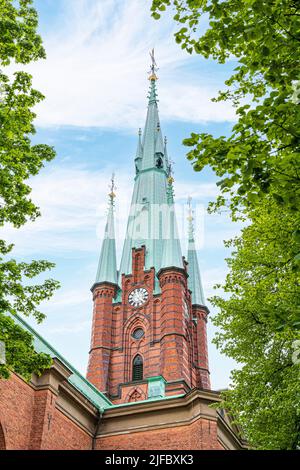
(95, 83)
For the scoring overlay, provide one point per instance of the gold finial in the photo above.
(153, 67)
(170, 171)
(112, 194)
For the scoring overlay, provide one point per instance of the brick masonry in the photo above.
(29, 419)
(48, 413)
(174, 344)
(198, 436)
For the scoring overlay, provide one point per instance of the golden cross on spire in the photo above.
(153, 67)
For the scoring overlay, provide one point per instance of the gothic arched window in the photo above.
(137, 368)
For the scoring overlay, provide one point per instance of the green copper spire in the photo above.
(172, 256)
(194, 279)
(145, 221)
(107, 267)
(152, 214)
(153, 149)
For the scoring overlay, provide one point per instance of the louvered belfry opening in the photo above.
(137, 368)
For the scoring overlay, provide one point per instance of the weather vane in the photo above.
(153, 66)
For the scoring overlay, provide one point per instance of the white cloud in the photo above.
(67, 298)
(95, 72)
(73, 203)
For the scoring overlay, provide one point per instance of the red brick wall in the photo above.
(201, 346)
(16, 406)
(2, 439)
(101, 342)
(30, 420)
(175, 349)
(63, 434)
(201, 435)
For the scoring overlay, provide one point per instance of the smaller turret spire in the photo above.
(139, 152)
(190, 220)
(194, 279)
(166, 153)
(170, 181)
(107, 267)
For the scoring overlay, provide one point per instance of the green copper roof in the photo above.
(194, 279)
(76, 379)
(149, 199)
(107, 267)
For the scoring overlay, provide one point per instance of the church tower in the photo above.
(149, 320)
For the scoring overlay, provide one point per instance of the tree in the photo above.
(265, 393)
(261, 156)
(19, 159)
(259, 169)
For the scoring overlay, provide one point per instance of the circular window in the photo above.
(138, 333)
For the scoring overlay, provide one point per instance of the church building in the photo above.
(148, 382)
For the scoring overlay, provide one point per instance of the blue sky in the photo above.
(95, 82)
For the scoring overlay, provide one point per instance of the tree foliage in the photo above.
(261, 156)
(265, 396)
(19, 160)
(259, 179)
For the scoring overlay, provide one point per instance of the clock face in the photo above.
(138, 297)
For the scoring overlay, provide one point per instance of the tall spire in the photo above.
(148, 217)
(107, 267)
(145, 220)
(194, 279)
(153, 149)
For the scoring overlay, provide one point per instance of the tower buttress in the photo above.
(175, 357)
(101, 340)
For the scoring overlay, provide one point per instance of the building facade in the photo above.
(148, 384)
